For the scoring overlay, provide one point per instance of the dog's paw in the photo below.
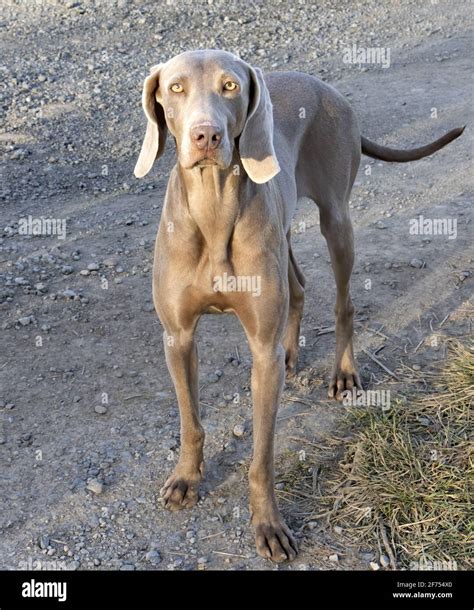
(274, 540)
(342, 381)
(180, 491)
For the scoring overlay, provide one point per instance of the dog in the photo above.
(248, 147)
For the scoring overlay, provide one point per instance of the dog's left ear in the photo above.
(256, 140)
(155, 136)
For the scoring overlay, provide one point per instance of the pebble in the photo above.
(95, 486)
(380, 224)
(69, 294)
(212, 378)
(334, 558)
(100, 409)
(93, 267)
(416, 367)
(239, 430)
(84, 272)
(67, 269)
(385, 561)
(374, 566)
(338, 529)
(416, 263)
(25, 320)
(153, 557)
(110, 262)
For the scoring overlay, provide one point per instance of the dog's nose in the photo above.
(206, 136)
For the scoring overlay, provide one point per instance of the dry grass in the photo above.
(403, 479)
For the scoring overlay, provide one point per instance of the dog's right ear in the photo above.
(155, 136)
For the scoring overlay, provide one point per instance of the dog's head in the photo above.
(211, 102)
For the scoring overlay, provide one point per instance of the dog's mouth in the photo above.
(206, 161)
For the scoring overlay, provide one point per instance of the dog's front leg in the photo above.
(181, 488)
(273, 538)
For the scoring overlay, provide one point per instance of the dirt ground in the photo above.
(89, 424)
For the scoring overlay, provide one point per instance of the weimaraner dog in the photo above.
(247, 148)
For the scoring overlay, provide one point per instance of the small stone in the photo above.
(338, 529)
(416, 263)
(380, 224)
(69, 294)
(385, 561)
(202, 560)
(212, 378)
(153, 557)
(416, 367)
(100, 409)
(67, 269)
(84, 272)
(25, 320)
(239, 430)
(95, 486)
(43, 542)
(110, 262)
(464, 275)
(374, 566)
(334, 558)
(93, 267)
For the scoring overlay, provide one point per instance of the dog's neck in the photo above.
(213, 198)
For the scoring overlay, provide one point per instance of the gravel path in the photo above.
(89, 424)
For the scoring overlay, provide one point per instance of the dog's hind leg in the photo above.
(336, 227)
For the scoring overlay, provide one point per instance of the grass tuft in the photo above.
(404, 478)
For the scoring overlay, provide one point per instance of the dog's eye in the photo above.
(176, 88)
(230, 86)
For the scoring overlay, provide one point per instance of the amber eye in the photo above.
(176, 88)
(230, 86)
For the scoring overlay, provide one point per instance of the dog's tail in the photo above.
(384, 153)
